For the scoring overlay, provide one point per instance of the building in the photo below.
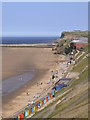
(61, 83)
(77, 44)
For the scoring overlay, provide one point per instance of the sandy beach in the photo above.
(17, 61)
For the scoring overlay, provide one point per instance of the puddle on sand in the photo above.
(11, 84)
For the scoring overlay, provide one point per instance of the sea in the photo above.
(27, 40)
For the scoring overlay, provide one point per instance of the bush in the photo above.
(68, 50)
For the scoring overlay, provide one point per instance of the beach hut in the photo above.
(35, 107)
(44, 101)
(18, 117)
(48, 98)
(41, 102)
(26, 113)
(32, 109)
(53, 93)
(22, 115)
(29, 111)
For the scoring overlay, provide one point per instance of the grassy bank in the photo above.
(67, 105)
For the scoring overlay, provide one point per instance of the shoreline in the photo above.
(39, 45)
(20, 99)
(17, 92)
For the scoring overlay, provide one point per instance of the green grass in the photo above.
(85, 49)
(78, 54)
(62, 106)
(56, 94)
(75, 108)
(44, 114)
(82, 76)
(59, 92)
(79, 67)
(82, 56)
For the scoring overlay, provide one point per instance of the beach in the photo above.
(18, 61)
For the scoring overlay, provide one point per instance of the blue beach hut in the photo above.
(32, 109)
(48, 98)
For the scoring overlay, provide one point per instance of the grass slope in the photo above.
(74, 103)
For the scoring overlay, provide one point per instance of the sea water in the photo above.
(27, 40)
(13, 83)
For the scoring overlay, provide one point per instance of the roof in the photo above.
(81, 40)
(63, 79)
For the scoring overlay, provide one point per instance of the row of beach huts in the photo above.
(31, 109)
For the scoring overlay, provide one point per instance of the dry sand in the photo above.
(19, 60)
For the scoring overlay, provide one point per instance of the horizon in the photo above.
(45, 36)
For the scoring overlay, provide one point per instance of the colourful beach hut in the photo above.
(41, 102)
(44, 101)
(48, 98)
(32, 109)
(29, 111)
(18, 117)
(26, 113)
(22, 115)
(35, 107)
(53, 93)
(38, 104)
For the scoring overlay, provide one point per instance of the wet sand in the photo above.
(18, 61)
